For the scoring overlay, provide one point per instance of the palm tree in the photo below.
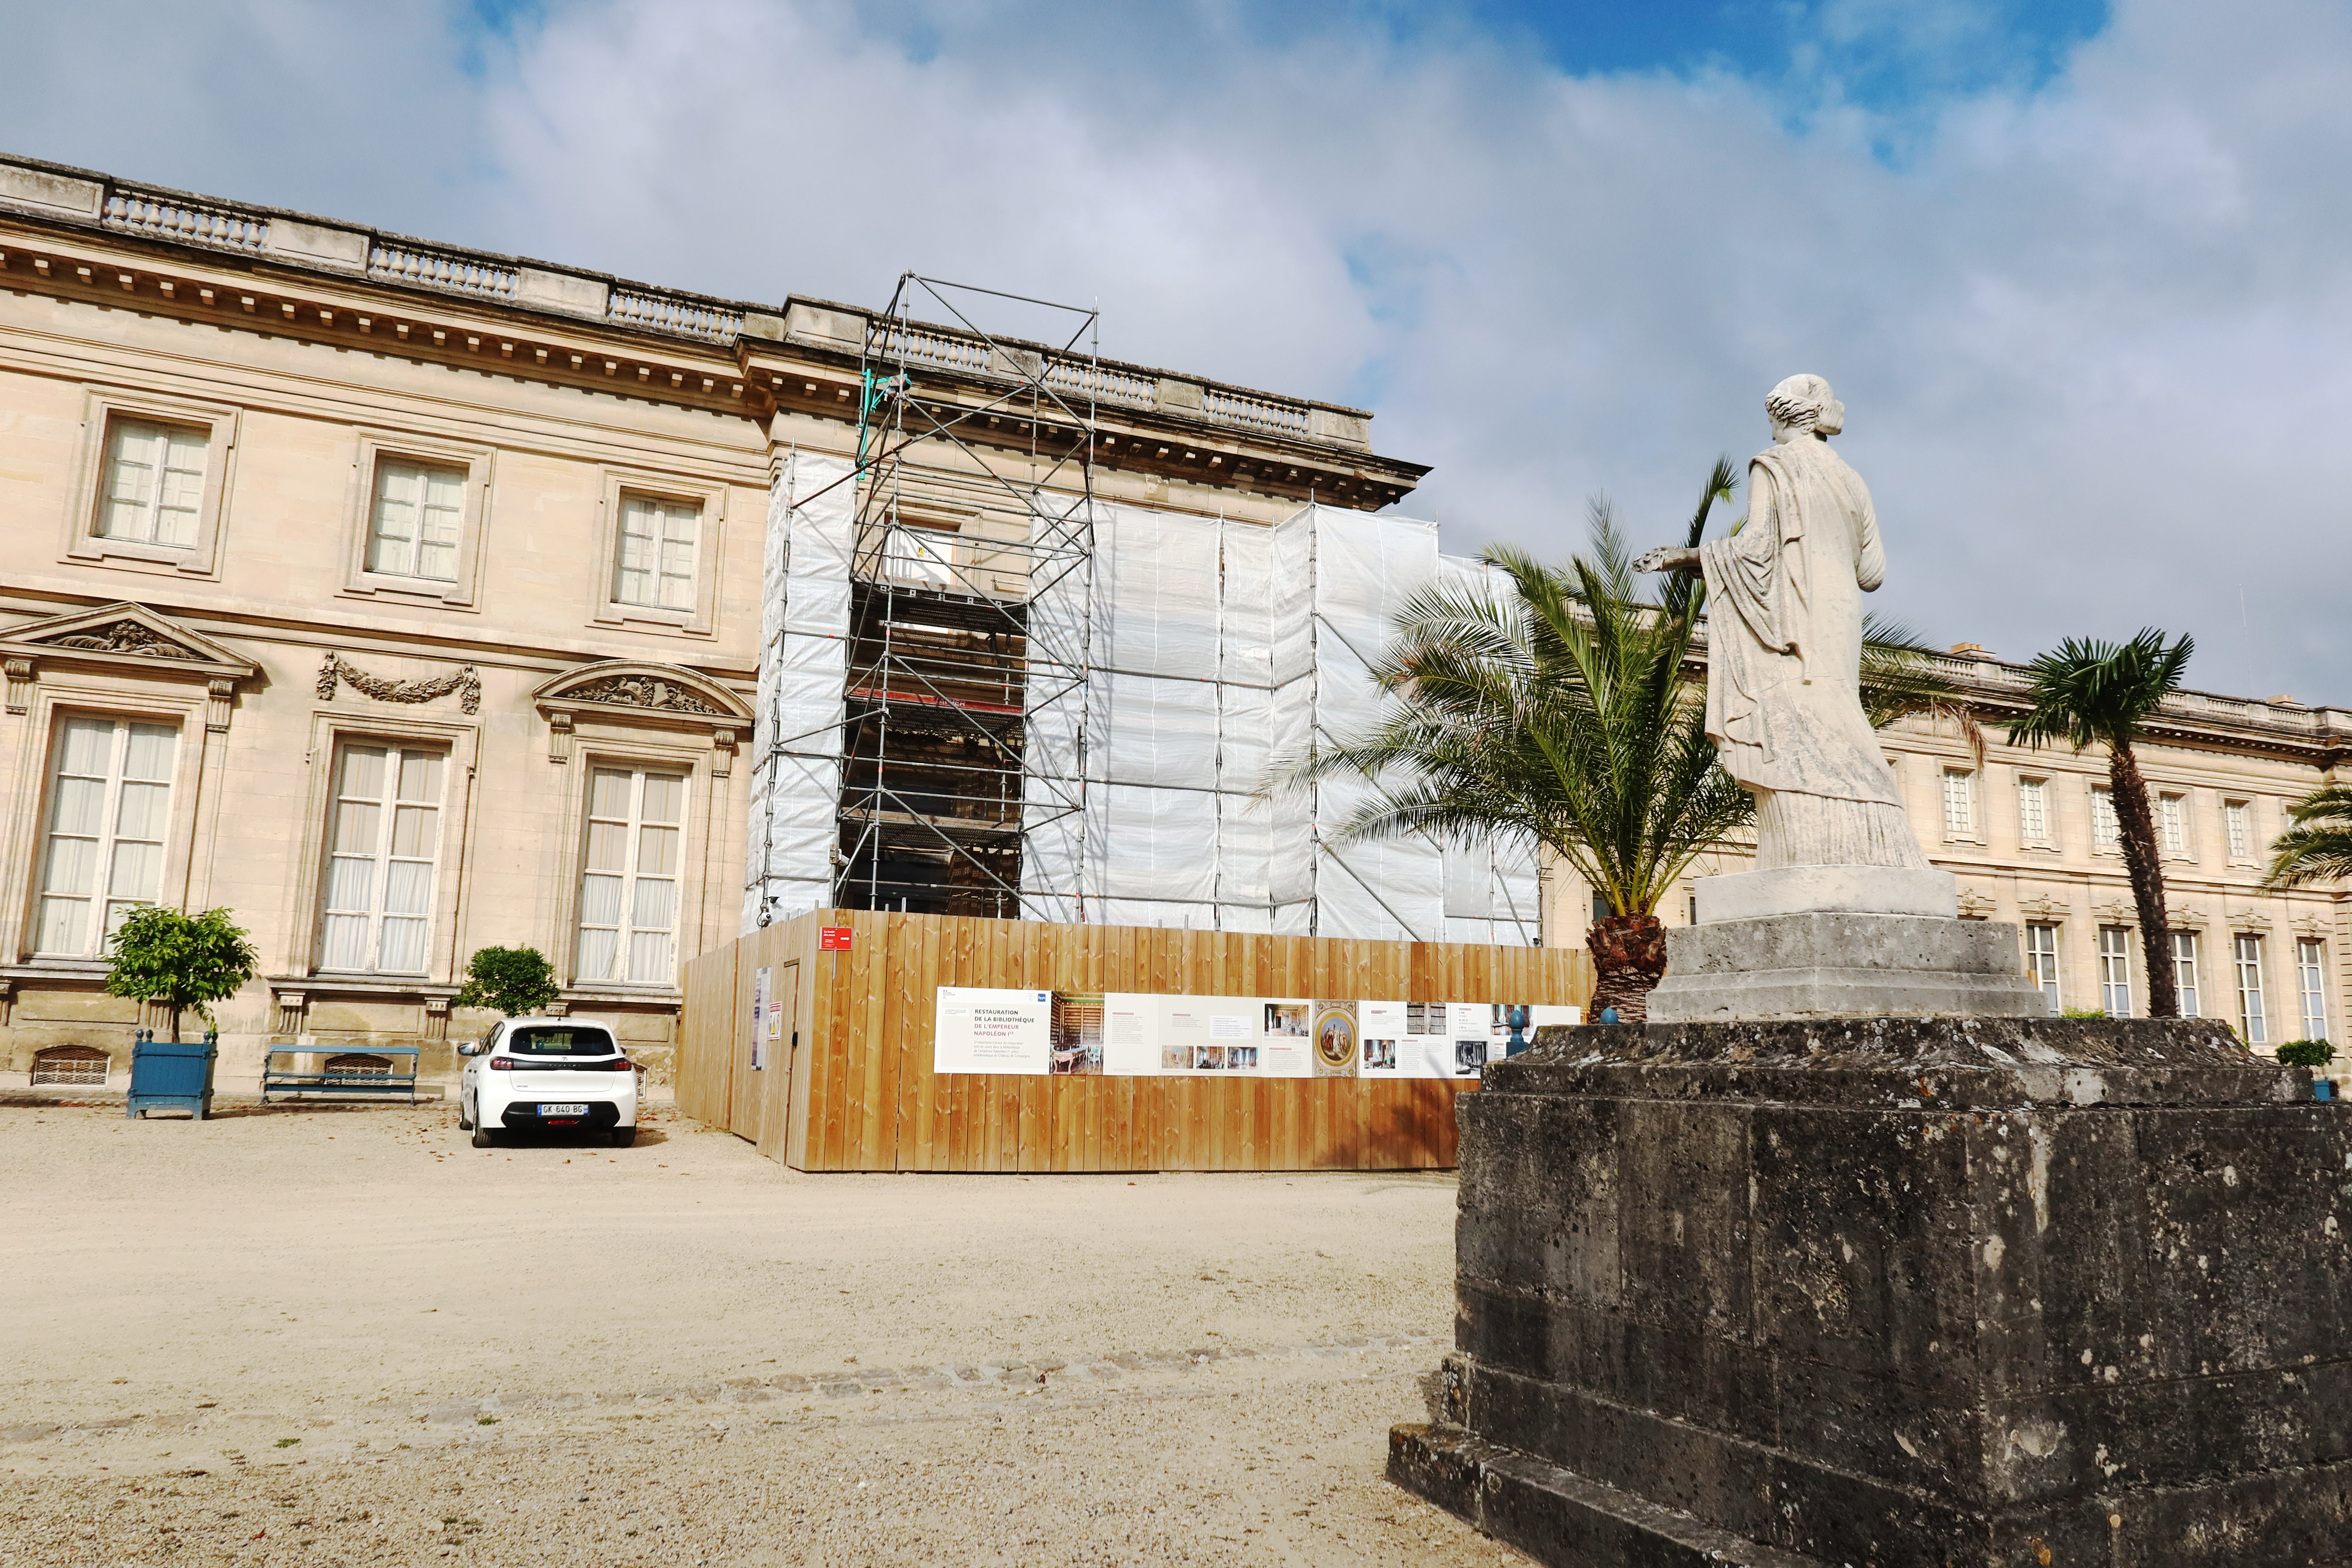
(2095, 692)
(2319, 846)
(1563, 712)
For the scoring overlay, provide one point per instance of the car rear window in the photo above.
(554, 1040)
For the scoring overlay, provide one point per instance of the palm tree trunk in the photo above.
(1629, 954)
(2140, 858)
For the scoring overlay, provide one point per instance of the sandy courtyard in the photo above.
(321, 1336)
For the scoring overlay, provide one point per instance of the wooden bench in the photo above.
(335, 1076)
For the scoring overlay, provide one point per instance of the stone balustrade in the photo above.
(81, 195)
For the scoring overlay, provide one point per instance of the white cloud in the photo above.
(2089, 336)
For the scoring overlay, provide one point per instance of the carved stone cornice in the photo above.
(465, 680)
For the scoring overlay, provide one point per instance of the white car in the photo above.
(551, 1074)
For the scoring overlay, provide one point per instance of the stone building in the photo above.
(406, 600)
(2030, 836)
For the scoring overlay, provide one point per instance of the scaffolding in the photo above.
(963, 748)
(985, 691)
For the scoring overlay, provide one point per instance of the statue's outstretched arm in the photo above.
(1668, 558)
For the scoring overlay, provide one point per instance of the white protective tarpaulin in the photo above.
(803, 664)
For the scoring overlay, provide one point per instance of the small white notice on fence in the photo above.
(981, 1030)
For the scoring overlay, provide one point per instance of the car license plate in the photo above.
(563, 1110)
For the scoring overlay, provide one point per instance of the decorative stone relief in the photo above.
(464, 681)
(20, 684)
(642, 691)
(1975, 904)
(125, 636)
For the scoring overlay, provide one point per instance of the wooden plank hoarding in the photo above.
(848, 1085)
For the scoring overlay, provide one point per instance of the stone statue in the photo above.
(1784, 648)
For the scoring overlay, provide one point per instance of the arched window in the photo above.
(358, 1064)
(78, 1066)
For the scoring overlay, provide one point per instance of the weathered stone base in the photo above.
(1557, 1516)
(1964, 1293)
(1827, 889)
(1839, 965)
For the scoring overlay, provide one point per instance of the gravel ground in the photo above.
(312, 1335)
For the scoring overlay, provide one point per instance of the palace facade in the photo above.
(406, 600)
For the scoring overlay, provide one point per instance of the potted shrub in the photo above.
(179, 962)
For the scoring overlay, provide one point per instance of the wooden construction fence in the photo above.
(849, 1086)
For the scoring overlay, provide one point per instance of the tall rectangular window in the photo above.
(2238, 827)
(657, 549)
(2172, 824)
(109, 801)
(2033, 810)
(2041, 961)
(418, 512)
(154, 483)
(628, 886)
(2184, 972)
(2252, 1020)
(383, 835)
(2115, 970)
(2311, 982)
(2105, 832)
(1959, 803)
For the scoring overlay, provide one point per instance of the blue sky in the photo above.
(2078, 271)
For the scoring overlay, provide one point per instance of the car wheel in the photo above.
(623, 1136)
(482, 1139)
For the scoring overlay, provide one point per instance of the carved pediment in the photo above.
(1975, 904)
(125, 631)
(127, 637)
(654, 688)
(626, 691)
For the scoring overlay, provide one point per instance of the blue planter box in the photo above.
(171, 1075)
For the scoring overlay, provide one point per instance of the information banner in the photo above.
(982, 1030)
(1141, 1034)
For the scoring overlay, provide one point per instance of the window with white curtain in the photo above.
(414, 524)
(628, 883)
(2172, 822)
(1959, 803)
(2115, 970)
(110, 804)
(154, 483)
(2105, 832)
(2184, 972)
(2041, 961)
(384, 835)
(2252, 1020)
(659, 540)
(2238, 827)
(2311, 980)
(2033, 810)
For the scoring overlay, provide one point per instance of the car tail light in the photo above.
(501, 1064)
(620, 1064)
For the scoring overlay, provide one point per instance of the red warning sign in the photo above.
(833, 938)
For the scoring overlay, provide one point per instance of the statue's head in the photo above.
(1804, 404)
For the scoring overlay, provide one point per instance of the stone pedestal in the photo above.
(1824, 965)
(1899, 1292)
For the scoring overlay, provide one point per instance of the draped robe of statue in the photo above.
(1784, 665)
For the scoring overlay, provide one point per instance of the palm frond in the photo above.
(2318, 847)
(1562, 712)
(2087, 691)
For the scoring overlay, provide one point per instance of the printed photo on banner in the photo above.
(1335, 1039)
(1078, 1035)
